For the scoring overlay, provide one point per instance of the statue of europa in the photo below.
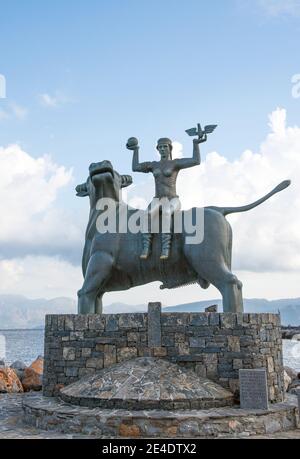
(118, 259)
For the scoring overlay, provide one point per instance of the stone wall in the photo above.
(214, 345)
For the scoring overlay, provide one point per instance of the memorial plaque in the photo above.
(253, 389)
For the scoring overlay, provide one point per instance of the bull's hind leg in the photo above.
(231, 290)
(99, 304)
(97, 273)
(219, 275)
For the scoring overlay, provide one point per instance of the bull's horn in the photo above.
(126, 181)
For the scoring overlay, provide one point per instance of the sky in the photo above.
(84, 76)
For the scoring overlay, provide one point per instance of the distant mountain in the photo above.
(120, 308)
(289, 308)
(18, 312)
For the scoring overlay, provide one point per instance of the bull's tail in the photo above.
(233, 210)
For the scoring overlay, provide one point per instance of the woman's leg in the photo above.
(147, 235)
(170, 207)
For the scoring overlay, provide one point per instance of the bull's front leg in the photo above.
(98, 271)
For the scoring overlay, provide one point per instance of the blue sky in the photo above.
(144, 68)
(83, 76)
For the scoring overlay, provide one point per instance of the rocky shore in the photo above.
(291, 333)
(19, 378)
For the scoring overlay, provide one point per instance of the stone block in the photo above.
(131, 321)
(174, 319)
(80, 323)
(237, 364)
(210, 359)
(234, 386)
(111, 323)
(86, 352)
(133, 337)
(61, 323)
(144, 351)
(234, 344)
(76, 335)
(200, 369)
(143, 337)
(94, 362)
(110, 355)
(69, 323)
(246, 341)
(212, 309)
(169, 340)
(159, 352)
(200, 319)
(179, 338)
(126, 353)
(228, 320)
(96, 322)
(154, 325)
(270, 362)
(197, 342)
(54, 319)
(69, 353)
(214, 319)
(86, 372)
(212, 371)
(71, 372)
(48, 322)
(183, 349)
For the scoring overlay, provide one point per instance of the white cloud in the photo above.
(18, 111)
(39, 277)
(14, 111)
(37, 237)
(53, 101)
(266, 243)
(32, 222)
(267, 238)
(280, 7)
(3, 115)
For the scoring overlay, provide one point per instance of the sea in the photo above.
(27, 345)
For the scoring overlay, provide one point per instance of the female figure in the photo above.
(165, 173)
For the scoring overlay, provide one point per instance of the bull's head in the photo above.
(103, 182)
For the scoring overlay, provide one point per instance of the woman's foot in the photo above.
(166, 245)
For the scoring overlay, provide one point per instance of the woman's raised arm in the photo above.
(185, 163)
(133, 145)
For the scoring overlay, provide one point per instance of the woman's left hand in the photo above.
(200, 139)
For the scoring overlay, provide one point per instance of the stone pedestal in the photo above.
(214, 345)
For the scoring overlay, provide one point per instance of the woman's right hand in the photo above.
(132, 143)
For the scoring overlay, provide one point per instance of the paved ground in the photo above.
(11, 425)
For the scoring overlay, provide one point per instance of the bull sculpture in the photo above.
(111, 261)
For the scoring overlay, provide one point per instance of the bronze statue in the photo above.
(111, 260)
(165, 173)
